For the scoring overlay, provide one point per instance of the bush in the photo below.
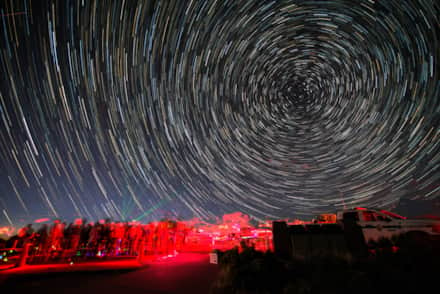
(250, 271)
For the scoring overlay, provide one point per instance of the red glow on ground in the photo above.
(70, 267)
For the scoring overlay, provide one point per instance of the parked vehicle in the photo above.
(355, 232)
(377, 224)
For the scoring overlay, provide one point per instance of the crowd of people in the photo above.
(103, 238)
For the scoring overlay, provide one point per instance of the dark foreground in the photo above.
(407, 271)
(185, 273)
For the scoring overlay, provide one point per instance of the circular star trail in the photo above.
(132, 109)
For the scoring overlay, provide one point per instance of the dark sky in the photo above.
(138, 109)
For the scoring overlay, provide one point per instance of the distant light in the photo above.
(41, 220)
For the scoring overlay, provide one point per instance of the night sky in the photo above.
(140, 109)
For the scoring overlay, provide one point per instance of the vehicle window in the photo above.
(351, 216)
(381, 218)
(392, 215)
(369, 216)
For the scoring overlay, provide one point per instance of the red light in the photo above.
(41, 220)
(360, 208)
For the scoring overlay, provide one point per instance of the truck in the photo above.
(379, 224)
(353, 232)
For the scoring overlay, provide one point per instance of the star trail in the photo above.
(134, 109)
